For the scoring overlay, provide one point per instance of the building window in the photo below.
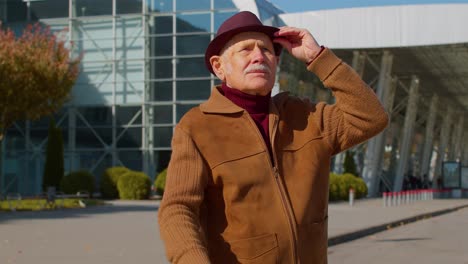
(128, 6)
(190, 5)
(193, 23)
(159, 5)
(49, 9)
(161, 91)
(162, 136)
(193, 90)
(129, 137)
(192, 67)
(163, 46)
(163, 25)
(162, 114)
(163, 68)
(132, 159)
(16, 10)
(93, 8)
(221, 4)
(192, 44)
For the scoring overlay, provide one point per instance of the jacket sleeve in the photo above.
(178, 215)
(357, 114)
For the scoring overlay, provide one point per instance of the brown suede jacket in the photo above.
(226, 202)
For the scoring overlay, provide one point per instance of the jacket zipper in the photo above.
(286, 203)
(279, 184)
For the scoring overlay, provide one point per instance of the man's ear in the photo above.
(218, 68)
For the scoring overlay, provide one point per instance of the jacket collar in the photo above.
(219, 104)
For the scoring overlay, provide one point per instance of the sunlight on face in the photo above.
(249, 63)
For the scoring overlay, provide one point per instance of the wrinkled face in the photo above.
(247, 63)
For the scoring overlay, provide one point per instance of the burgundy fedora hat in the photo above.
(244, 21)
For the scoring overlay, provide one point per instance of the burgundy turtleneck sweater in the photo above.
(257, 106)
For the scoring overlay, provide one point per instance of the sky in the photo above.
(291, 6)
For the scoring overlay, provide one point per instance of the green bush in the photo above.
(74, 182)
(134, 186)
(334, 187)
(340, 185)
(109, 179)
(53, 168)
(160, 182)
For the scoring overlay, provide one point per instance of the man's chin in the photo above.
(260, 90)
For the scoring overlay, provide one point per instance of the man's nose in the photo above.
(257, 55)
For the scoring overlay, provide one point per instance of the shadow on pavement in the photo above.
(403, 239)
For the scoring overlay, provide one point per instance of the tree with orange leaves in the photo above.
(37, 73)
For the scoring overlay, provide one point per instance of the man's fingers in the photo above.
(288, 32)
(283, 42)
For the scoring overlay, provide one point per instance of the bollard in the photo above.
(384, 199)
(351, 196)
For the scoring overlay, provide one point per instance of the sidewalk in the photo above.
(368, 216)
(126, 231)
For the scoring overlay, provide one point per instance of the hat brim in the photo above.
(218, 43)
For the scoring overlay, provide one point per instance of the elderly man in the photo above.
(248, 177)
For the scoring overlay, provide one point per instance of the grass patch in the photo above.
(41, 204)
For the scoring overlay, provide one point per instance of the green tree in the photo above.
(37, 73)
(53, 169)
(349, 165)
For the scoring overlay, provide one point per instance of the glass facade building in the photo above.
(142, 70)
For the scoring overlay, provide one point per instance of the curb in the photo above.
(339, 239)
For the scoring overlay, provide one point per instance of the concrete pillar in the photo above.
(73, 157)
(359, 61)
(457, 140)
(113, 148)
(73, 27)
(443, 141)
(465, 150)
(408, 130)
(375, 147)
(395, 135)
(429, 136)
(148, 110)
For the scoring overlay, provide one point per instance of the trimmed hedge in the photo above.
(160, 182)
(340, 185)
(109, 179)
(134, 186)
(74, 182)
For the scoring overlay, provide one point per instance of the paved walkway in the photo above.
(126, 232)
(369, 216)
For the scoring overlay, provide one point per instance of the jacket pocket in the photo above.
(260, 249)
